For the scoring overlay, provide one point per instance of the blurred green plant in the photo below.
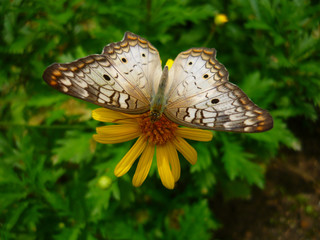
(50, 168)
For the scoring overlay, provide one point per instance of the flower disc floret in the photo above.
(158, 132)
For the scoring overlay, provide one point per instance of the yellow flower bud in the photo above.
(104, 182)
(61, 225)
(220, 19)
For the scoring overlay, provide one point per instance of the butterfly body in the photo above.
(128, 77)
(159, 100)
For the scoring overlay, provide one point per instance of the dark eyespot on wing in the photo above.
(215, 101)
(106, 77)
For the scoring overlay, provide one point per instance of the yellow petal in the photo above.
(169, 63)
(116, 133)
(185, 149)
(107, 115)
(113, 140)
(143, 165)
(121, 129)
(195, 134)
(174, 160)
(126, 162)
(164, 168)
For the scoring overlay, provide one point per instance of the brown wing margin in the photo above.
(129, 39)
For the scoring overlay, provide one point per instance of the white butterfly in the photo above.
(128, 77)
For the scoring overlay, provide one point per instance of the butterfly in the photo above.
(128, 77)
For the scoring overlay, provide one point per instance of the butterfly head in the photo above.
(155, 115)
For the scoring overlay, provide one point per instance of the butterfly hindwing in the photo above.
(201, 96)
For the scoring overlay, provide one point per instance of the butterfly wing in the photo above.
(200, 95)
(121, 78)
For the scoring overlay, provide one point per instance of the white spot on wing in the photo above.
(229, 125)
(68, 73)
(104, 97)
(105, 63)
(248, 129)
(240, 109)
(208, 120)
(81, 83)
(230, 111)
(238, 116)
(100, 100)
(210, 124)
(250, 114)
(207, 114)
(107, 92)
(123, 97)
(250, 121)
(191, 116)
(83, 93)
(64, 88)
(65, 81)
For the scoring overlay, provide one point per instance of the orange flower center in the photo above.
(158, 132)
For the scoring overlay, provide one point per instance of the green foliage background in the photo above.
(51, 169)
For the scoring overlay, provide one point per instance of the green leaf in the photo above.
(57, 202)
(198, 213)
(11, 188)
(258, 25)
(16, 214)
(237, 164)
(69, 233)
(280, 134)
(204, 158)
(75, 147)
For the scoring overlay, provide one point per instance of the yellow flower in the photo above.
(220, 19)
(164, 136)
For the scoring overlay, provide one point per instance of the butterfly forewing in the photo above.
(118, 79)
(202, 97)
(138, 61)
